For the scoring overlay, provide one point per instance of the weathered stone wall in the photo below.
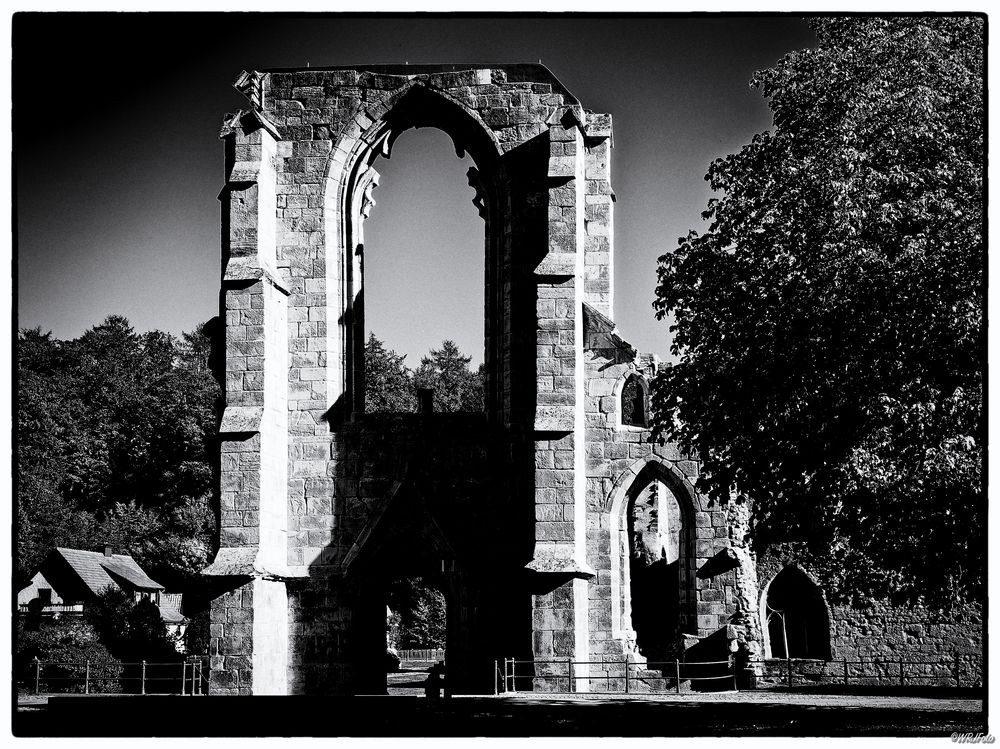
(525, 513)
(231, 642)
(875, 638)
(622, 460)
(299, 186)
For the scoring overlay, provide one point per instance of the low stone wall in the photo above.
(883, 632)
(916, 671)
(936, 647)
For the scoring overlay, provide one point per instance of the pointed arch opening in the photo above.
(352, 179)
(634, 404)
(653, 570)
(796, 622)
(423, 279)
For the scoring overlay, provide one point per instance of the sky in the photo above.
(117, 162)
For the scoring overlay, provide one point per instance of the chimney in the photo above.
(425, 400)
(108, 549)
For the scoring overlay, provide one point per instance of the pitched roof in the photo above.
(98, 571)
(170, 608)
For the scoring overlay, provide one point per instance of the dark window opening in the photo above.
(45, 596)
(797, 622)
(634, 402)
(655, 560)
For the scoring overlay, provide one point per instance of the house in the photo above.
(170, 612)
(69, 579)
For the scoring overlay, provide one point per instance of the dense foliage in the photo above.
(419, 614)
(114, 445)
(390, 386)
(131, 631)
(388, 381)
(65, 645)
(829, 323)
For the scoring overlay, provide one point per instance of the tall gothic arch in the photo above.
(305, 475)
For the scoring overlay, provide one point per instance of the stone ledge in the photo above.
(559, 560)
(244, 561)
(250, 268)
(557, 264)
(248, 121)
(598, 327)
(241, 420)
(244, 171)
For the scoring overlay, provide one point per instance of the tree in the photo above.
(456, 387)
(132, 631)
(115, 444)
(388, 381)
(50, 436)
(390, 386)
(66, 646)
(419, 614)
(829, 321)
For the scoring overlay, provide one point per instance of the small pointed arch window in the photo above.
(635, 401)
(797, 622)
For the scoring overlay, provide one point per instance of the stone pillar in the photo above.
(599, 282)
(249, 623)
(560, 614)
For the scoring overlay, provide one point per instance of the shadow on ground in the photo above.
(488, 716)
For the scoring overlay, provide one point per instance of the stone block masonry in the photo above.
(555, 524)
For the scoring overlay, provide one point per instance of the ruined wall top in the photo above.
(512, 100)
(389, 77)
(447, 75)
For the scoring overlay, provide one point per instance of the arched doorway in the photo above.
(653, 575)
(655, 528)
(795, 618)
(416, 632)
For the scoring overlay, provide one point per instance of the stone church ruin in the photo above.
(555, 527)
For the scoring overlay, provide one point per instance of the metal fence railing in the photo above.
(422, 654)
(53, 608)
(611, 676)
(626, 676)
(955, 671)
(188, 677)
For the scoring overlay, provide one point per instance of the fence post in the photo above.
(627, 669)
(677, 672)
(569, 674)
(788, 661)
(958, 671)
(38, 671)
(143, 677)
(184, 672)
(845, 672)
(902, 681)
(86, 678)
(732, 664)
